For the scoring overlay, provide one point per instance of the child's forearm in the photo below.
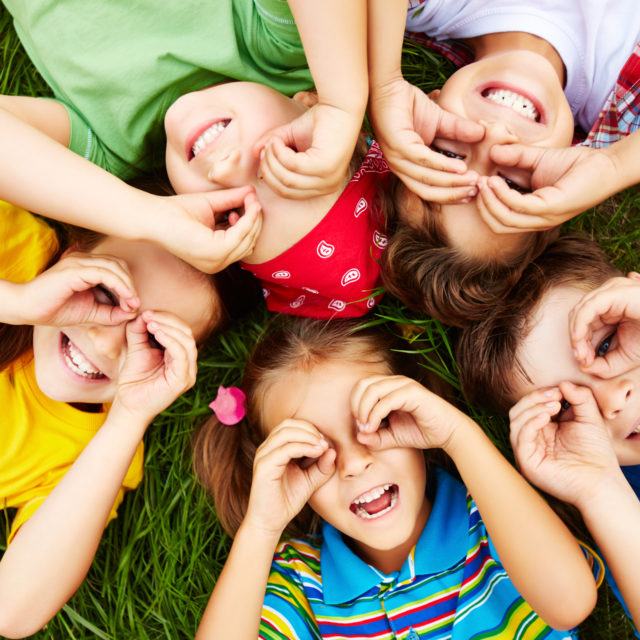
(624, 155)
(235, 607)
(334, 35)
(541, 556)
(11, 310)
(41, 175)
(386, 22)
(52, 551)
(613, 519)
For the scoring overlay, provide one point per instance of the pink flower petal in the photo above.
(229, 405)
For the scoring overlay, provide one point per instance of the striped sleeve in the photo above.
(286, 612)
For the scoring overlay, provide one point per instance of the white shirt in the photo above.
(594, 38)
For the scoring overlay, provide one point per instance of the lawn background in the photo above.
(158, 561)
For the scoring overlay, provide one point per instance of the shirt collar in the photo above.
(346, 577)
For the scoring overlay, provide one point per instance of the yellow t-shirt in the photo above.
(40, 438)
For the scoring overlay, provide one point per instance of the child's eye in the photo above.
(153, 343)
(565, 414)
(447, 153)
(605, 345)
(514, 185)
(102, 295)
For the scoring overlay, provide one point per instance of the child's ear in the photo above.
(306, 98)
(433, 95)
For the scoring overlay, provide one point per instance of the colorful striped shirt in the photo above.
(452, 585)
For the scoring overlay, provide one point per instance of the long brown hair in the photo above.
(223, 456)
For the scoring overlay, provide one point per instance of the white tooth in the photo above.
(514, 101)
(207, 136)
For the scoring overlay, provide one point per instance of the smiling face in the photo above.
(517, 96)
(81, 363)
(376, 498)
(547, 358)
(211, 134)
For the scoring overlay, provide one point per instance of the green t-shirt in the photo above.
(117, 65)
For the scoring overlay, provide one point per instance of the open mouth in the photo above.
(77, 362)
(207, 137)
(635, 433)
(376, 502)
(517, 102)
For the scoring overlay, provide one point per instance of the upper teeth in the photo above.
(635, 431)
(78, 363)
(374, 494)
(207, 136)
(514, 101)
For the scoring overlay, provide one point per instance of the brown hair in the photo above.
(487, 352)
(223, 456)
(429, 276)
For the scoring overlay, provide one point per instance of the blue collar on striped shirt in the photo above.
(346, 577)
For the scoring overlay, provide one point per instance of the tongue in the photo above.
(378, 504)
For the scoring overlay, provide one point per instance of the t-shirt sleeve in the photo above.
(286, 613)
(131, 481)
(27, 243)
(84, 142)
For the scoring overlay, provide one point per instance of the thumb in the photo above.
(457, 128)
(136, 333)
(380, 439)
(108, 315)
(516, 155)
(585, 408)
(322, 470)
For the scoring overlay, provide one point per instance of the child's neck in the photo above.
(391, 560)
(285, 221)
(492, 43)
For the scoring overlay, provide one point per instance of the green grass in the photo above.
(158, 561)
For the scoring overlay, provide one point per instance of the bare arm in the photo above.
(405, 120)
(310, 155)
(575, 461)
(48, 116)
(39, 174)
(279, 489)
(52, 551)
(542, 558)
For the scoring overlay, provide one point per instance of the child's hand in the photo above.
(565, 452)
(406, 121)
(205, 230)
(566, 182)
(154, 375)
(611, 311)
(310, 156)
(289, 466)
(395, 411)
(70, 293)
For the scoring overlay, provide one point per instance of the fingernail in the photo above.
(362, 426)
(472, 192)
(549, 393)
(465, 201)
(262, 153)
(551, 404)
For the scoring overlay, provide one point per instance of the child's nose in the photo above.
(227, 170)
(497, 132)
(353, 460)
(108, 341)
(612, 395)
